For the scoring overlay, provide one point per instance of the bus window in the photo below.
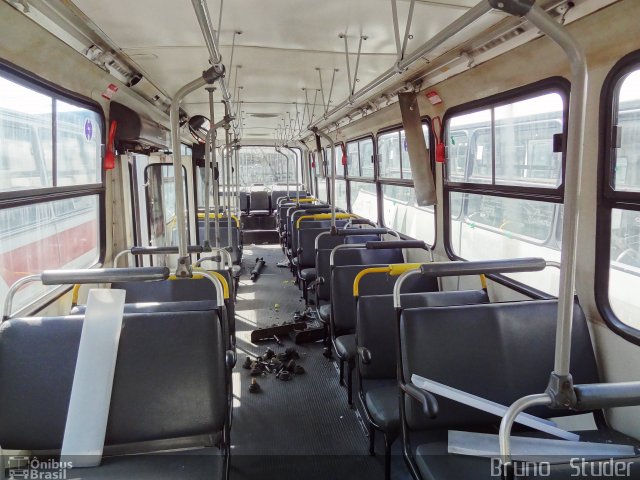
(45, 148)
(161, 203)
(389, 155)
(402, 213)
(26, 132)
(353, 159)
(341, 194)
(366, 158)
(507, 147)
(78, 145)
(364, 201)
(621, 206)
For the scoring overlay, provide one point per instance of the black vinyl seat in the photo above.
(237, 241)
(178, 357)
(348, 262)
(501, 352)
(259, 201)
(166, 295)
(377, 365)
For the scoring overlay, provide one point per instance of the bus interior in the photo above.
(375, 239)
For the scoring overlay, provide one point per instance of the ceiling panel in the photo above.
(281, 45)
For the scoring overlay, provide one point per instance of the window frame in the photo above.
(559, 85)
(609, 198)
(403, 182)
(17, 198)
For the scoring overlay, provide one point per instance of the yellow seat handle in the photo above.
(218, 275)
(394, 270)
(324, 216)
(220, 215)
(75, 293)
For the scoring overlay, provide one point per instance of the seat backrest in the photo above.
(363, 256)
(351, 239)
(244, 201)
(170, 379)
(376, 327)
(292, 219)
(236, 237)
(277, 194)
(498, 351)
(343, 303)
(287, 211)
(174, 292)
(259, 201)
(307, 245)
(326, 243)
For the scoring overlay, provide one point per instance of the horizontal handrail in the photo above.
(461, 268)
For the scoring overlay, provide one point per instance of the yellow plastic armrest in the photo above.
(399, 268)
(362, 273)
(218, 275)
(75, 293)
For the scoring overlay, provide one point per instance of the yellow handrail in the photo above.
(324, 216)
(394, 270)
(75, 293)
(220, 215)
(218, 275)
(306, 200)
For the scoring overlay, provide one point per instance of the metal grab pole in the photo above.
(213, 165)
(209, 76)
(236, 149)
(295, 156)
(333, 178)
(560, 391)
(287, 169)
(207, 186)
(227, 154)
(575, 141)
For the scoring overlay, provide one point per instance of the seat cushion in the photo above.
(308, 274)
(325, 312)
(346, 347)
(383, 404)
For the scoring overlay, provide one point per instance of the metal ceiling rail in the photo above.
(452, 29)
(204, 20)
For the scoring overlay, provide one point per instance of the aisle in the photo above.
(301, 429)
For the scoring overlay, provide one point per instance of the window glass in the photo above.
(79, 145)
(366, 157)
(457, 147)
(340, 168)
(524, 141)
(402, 213)
(341, 194)
(43, 236)
(266, 167)
(523, 132)
(487, 227)
(322, 189)
(353, 160)
(624, 269)
(161, 203)
(364, 201)
(389, 155)
(627, 158)
(26, 132)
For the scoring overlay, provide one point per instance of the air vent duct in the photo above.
(137, 131)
